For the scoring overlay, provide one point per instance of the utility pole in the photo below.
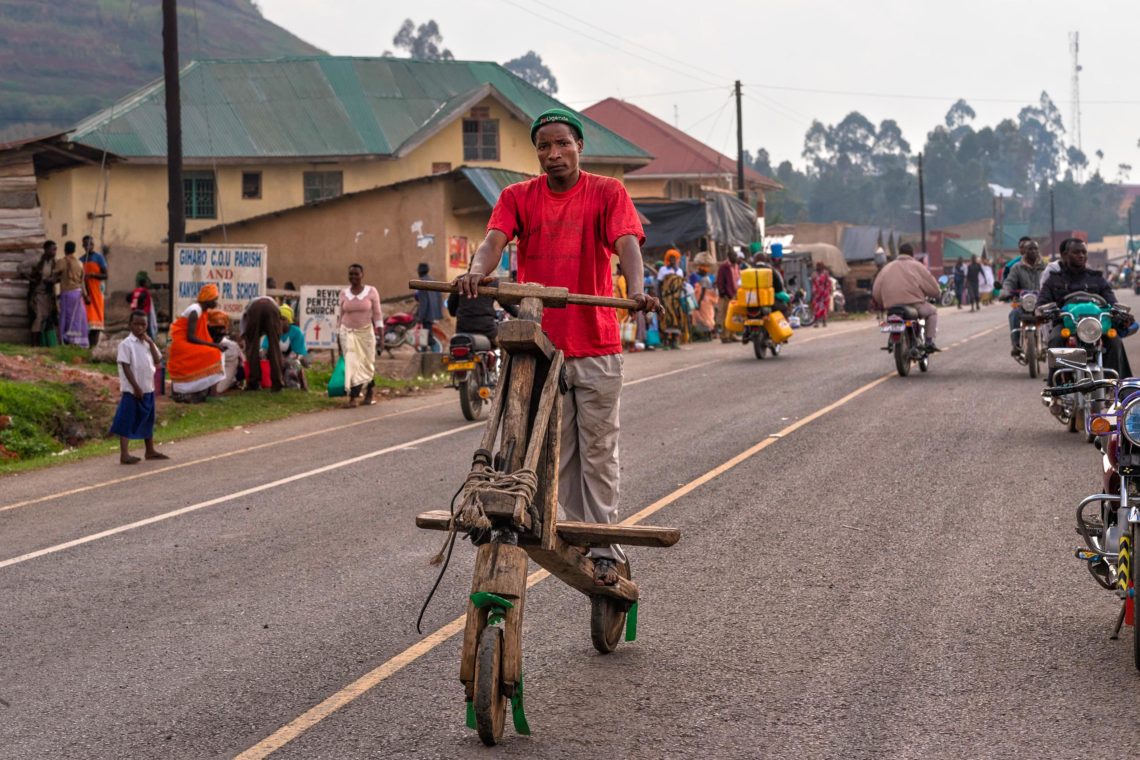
(1052, 224)
(175, 200)
(1131, 253)
(921, 204)
(739, 146)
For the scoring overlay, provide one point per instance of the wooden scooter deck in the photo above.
(566, 559)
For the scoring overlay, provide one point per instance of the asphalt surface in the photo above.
(893, 578)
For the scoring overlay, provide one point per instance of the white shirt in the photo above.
(136, 353)
(231, 358)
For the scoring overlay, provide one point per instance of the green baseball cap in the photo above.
(555, 116)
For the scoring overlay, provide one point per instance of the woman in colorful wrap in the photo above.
(94, 275)
(72, 298)
(195, 364)
(704, 291)
(820, 294)
(675, 322)
(359, 321)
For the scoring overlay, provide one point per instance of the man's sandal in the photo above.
(605, 572)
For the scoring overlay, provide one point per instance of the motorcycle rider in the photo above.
(478, 315)
(1075, 276)
(1024, 275)
(905, 282)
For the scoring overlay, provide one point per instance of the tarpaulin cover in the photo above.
(721, 217)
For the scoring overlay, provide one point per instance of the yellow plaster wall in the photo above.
(136, 193)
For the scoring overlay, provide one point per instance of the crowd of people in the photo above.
(695, 293)
(77, 316)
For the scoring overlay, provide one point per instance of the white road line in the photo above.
(203, 460)
(273, 484)
(230, 497)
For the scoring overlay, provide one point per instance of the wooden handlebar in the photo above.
(515, 291)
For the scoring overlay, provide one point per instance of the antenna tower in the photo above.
(1075, 97)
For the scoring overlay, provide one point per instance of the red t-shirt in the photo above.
(565, 241)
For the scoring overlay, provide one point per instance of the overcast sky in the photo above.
(897, 59)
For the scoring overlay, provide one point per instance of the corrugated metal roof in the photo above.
(491, 182)
(959, 248)
(318, 106)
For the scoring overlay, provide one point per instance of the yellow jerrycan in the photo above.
(778, 328)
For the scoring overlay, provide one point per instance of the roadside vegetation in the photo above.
(56, 406)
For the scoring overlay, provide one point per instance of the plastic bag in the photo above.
(336, 382)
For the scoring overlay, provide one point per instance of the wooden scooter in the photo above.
(509, 510)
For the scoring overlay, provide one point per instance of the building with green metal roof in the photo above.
(262, 136)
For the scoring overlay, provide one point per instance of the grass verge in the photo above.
(43, 414)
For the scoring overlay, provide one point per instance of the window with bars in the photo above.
(201, 195)
(480, 139)
(321, 186)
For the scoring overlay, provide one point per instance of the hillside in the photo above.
(64, 60)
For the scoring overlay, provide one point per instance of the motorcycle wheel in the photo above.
(470, 403)
(758, 347)
(924, 364)
(1031, 357)
(948, 298)
(776, 348)
(902, 358)
(806, 315)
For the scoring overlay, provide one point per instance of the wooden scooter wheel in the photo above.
(607, 618)
(490, 704)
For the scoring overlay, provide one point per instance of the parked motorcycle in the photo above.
(1032, 346)
(397, 331)
(1108, 521)
(906, 338)
(473, 365)
(801, 314)
(946, 297)
(1084, 320)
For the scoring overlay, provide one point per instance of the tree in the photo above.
(531, 68)
(421, 43)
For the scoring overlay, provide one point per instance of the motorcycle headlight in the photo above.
(1089, 329)
(1029, 301)
(1130, 421)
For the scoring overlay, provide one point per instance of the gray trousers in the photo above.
(588, 471)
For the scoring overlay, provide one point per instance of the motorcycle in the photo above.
(1108, 522)
(753, 313)
(397, 331)
(473, 364)
(906, 338)
(1032, 348)
(946, 296)
(1084, 320)
(802, 314)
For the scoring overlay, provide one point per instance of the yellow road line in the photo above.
(357, 688)
(230, 497)
(203, 460)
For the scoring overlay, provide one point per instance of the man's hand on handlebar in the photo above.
(646, 303)
(468, 284)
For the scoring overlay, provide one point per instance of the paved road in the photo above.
(887, 573)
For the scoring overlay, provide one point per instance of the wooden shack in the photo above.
(21, 241)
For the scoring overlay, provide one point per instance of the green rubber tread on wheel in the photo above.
(631, 623)
(518, 717)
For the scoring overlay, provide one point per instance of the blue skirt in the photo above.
(134, 419)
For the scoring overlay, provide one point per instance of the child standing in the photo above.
(134, 419)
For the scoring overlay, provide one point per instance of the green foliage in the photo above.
(42, 414)
(863, 173)
(531, 68)
(65, 61)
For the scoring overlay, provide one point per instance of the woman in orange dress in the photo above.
(195, 363)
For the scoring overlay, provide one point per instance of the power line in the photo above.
(547, 20)
(562, 11)
(915, 96)
(648, 95)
